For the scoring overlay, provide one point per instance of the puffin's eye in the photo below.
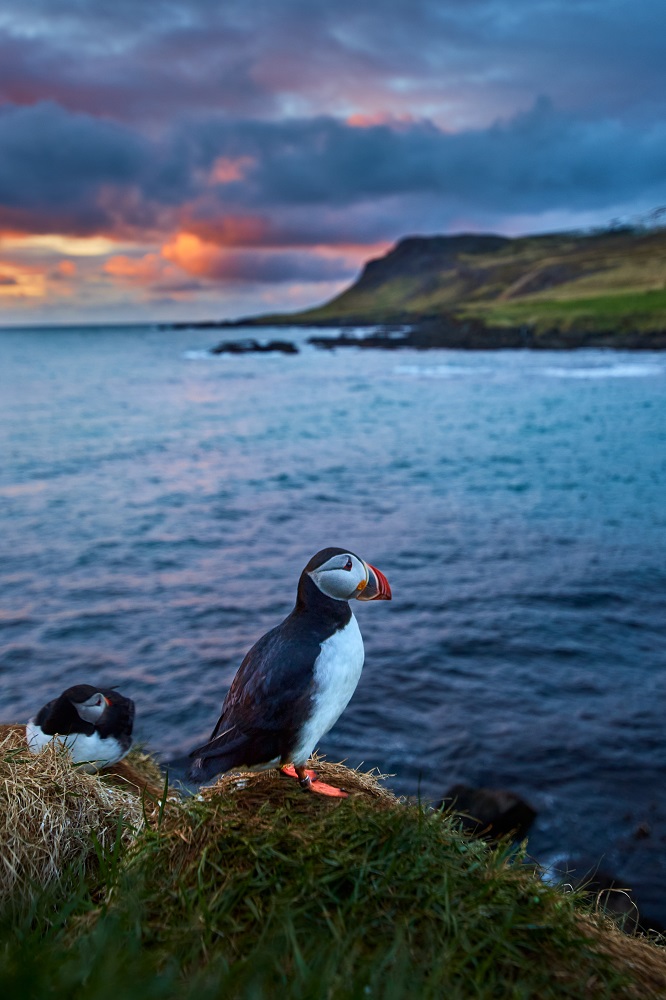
(348, 565)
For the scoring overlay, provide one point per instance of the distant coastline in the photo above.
(557, 291)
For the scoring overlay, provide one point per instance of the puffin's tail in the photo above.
(203, 769)
(215, 757)
(227, 752)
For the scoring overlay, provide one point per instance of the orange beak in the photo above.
(377, 588)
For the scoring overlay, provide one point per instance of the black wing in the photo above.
(269, 698)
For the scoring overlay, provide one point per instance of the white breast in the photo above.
(336, 674)
(92, 752)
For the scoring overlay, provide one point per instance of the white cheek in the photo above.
(91, 713)
(339, 584)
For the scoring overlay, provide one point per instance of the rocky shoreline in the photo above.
(441, 334)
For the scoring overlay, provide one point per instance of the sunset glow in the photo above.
(208, 159)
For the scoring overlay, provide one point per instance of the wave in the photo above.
(199, 355)
(620, 370)
(443, 371)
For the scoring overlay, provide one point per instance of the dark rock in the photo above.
(254, 347)
(386, 340)
(488, 812)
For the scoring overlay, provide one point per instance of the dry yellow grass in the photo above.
(48, 808)
(642, 959)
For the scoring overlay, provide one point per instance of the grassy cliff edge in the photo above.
(253, 888)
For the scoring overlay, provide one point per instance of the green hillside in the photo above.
(614, 280)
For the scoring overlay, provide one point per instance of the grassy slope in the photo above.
(267, 891)
(612, 280)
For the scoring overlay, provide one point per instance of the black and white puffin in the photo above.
(94, 724)
(296, 681)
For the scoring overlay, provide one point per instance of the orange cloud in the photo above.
(193, 255)
(151, 272)
(67, 268)
(22, 282)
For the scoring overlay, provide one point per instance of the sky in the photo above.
(207, 159)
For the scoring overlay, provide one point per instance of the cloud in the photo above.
(462, 64)
(323, 180)
(144, 270)
(299, 183)
(64, 270)
(56, 165)
(215, 263)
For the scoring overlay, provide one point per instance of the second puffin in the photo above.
(296, 681)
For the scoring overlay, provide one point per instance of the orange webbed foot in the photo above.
(309, 781)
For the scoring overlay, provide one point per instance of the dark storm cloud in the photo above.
(147, 77)
(274, 268)
(75, 174)
(460, 61)
(314, 181)
(56, 164)
(541, 158)
(114, 115)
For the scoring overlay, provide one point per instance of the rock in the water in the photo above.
(388, 340)
(489, 812)
(254, 347)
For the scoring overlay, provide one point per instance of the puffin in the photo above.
(93, 724)
(295, 682)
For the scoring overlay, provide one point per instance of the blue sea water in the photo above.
(157, 505)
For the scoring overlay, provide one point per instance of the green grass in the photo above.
(640, 310)
(271, 892)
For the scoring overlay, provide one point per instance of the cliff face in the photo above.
(417, 256)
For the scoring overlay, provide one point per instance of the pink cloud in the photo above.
(228, 169)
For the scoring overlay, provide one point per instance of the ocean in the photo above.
(157, 505)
